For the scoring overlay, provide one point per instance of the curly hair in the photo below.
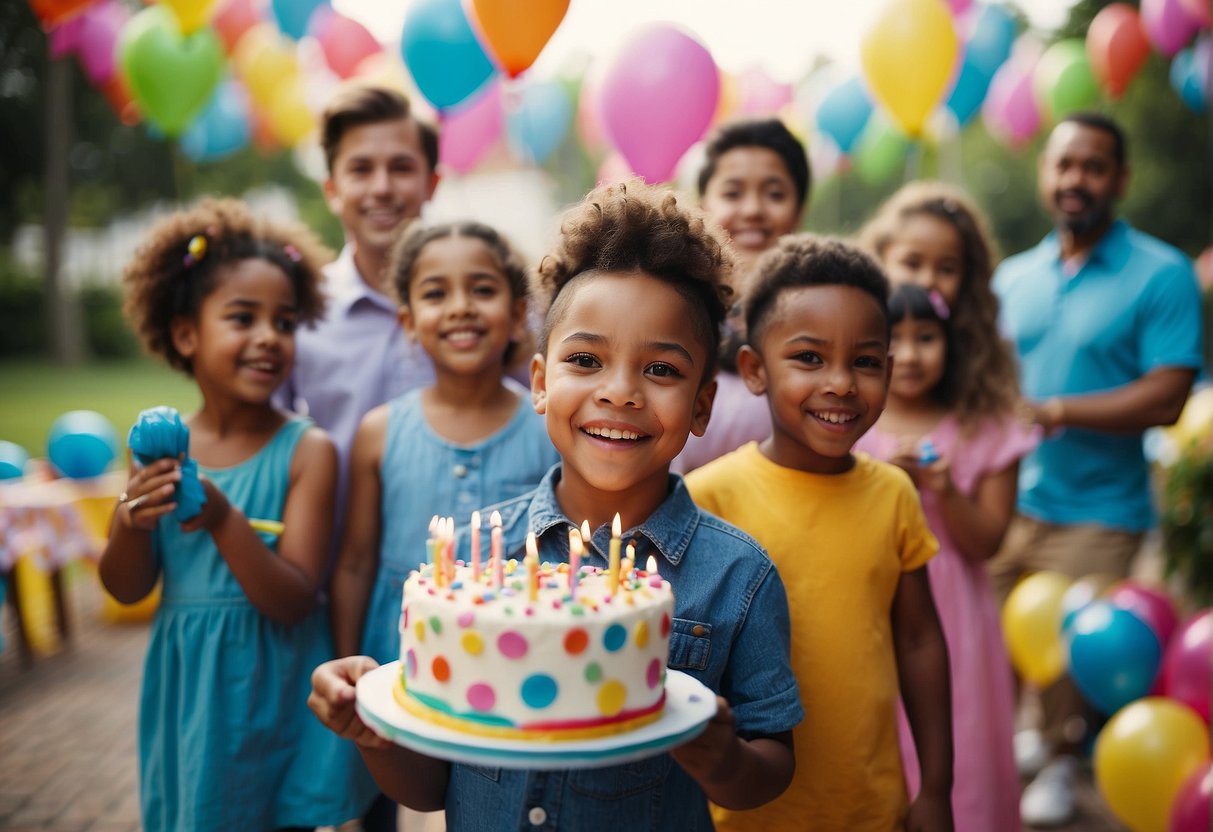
(165, 280)
(988, 384)
(634, 227)
(804, 259)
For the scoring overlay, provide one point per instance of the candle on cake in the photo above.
(628, 562)
(613, 559)
(495, 550)
(431, 541)
(650, 566)
(575, 548)
(475, 546)
(532, 567)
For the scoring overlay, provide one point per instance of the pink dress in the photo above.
(985, 790)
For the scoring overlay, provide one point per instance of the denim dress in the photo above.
(730, 631)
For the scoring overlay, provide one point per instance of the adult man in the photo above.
(1106, 320)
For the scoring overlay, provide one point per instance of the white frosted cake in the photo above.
(536, 663)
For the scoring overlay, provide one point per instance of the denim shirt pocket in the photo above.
(690, 644)
(621, 782)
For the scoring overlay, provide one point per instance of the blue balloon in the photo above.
(82, 444)
(844, 112)
(989, 44)
(1114, 655)
(1189, 75)
(12, 460)
(442, 52)
(293, 15)
(222, 128)
(539, 122)
(968, 92)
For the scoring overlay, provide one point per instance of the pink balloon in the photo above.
(614, 168)
(1168, 25)
(1151, 605)
(1199, 11)
(959, 7)
(469, 130)
(1190, 809)
(761, 95)
(91, 35)
(346, 42)
(1187, 668)
(658, 98)
(589, 112)
(1010, 108)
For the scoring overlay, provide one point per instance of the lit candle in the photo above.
(613, 560)
(448, 561)
(495, 550)
(575, 547)
(628, 562)
(439, 559)
(650, 566)
(586, 535)
(532, 567)
(475, 546)
(429, 541)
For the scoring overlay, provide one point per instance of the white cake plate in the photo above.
(688, 707)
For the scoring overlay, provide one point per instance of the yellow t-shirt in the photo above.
(841, 543)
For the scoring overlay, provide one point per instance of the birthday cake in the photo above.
(528, 656)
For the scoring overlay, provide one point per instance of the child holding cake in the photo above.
(624, 374)
(225, 740)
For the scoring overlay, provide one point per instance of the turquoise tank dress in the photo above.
(226, 740)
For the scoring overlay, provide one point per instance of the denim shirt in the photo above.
(730, 631)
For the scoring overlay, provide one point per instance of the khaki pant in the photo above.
(1087, 549)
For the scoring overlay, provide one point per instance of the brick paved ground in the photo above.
(67, 730)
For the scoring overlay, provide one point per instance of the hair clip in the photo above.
(195, 251)
(939, 305)
(292, 253)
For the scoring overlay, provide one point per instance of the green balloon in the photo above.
(881, 154)
(1063, 80)
(171, 76)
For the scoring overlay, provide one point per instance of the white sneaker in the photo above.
(1031, 752)
(1049, 799)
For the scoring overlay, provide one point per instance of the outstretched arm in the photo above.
(1157, 398)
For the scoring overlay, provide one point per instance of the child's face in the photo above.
(822, 361)
(753, 198)
(929, 252)
(242, 341)
(460, 307)
(379, 181)
(620, 383)
(919, 349)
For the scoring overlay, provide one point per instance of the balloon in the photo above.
(1186, 674)
(959, 7)
(1189, 76)
(1149, 604)
(1199, 11)
(293, 16)
(222, 128)
(1114, 656)
(192, 15)
(516, 31)
(288, 115)
(1010, 110)
(539, 122)
(1190, 811)
(1082, 592)
(442, 53)
(1117, 47)
(1168, 25)
(346, 42)
(81, 444)
(91, 36)
(266, 62)
(989, 45)
(881, 153)
(469, 130)
(232, 19)
(589, 112)
(658, 98)
(760, 94)
(1031, 623)
(968, 92)
(12, 460)
(1142, 758)
(1063, 79)
(908, 58)
(171, 76)
(51, 12)
(844, 112)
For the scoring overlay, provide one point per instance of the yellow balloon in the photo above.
(191, 14)
(266, 62)
(288, 116)
(1195, 423)
(1031, 625)
(908, 57)
(1142, 757)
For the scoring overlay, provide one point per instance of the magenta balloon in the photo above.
(1010, 108)
(1168, 25)
(1151, 605)
(1187, 668)
(91, 35)
(469, 130)
(1199, 11)
(658, 98)
(959, 7)
(1190, 808)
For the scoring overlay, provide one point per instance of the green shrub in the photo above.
(22, 312)
(106, 331)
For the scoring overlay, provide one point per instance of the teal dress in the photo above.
(226, 740)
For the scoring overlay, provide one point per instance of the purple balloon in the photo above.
(1190, 808)
(658, 98)
(1187, 668)
(1168, 25)
(91, 35)
(1010, 108)
(1151, 605)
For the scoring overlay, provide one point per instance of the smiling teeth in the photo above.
(612, 433)
(834, 418)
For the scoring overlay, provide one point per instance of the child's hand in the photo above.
(936, 477)
(905, 456)
(332, 699)
(706, 757)
(214, 511)
(930, 813)
(148, 495)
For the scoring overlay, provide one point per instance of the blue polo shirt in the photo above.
(730, 631)
(1132, 307)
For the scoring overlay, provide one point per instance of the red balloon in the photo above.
(346, 42)
(51, 12)
(1151, 605)
(1117, 47)
(232, 19)
(1186, 667)
(1190, 809)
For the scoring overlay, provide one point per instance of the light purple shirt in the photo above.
(738, 417)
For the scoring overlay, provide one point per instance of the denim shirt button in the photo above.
(537, 816)
(460, 471)
(698, 630)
